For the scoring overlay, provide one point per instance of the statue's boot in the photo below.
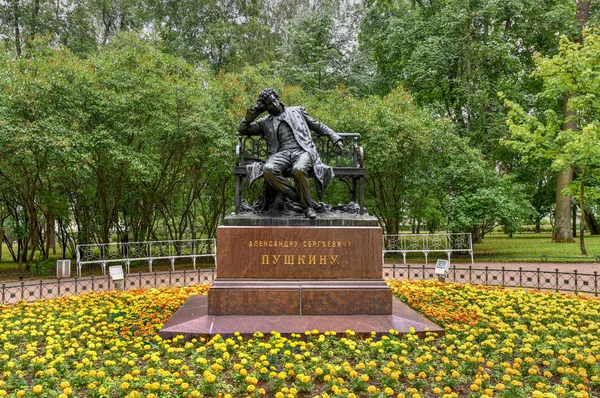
(310, 213)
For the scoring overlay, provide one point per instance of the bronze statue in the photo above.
(287, 131)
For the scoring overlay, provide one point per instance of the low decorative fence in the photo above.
(31, 291)
(544, 258)
(575, 282)
(125, 253)
(428, 243)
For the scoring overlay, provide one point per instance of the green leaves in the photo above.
(575, 71)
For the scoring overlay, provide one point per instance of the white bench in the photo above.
(427, 243)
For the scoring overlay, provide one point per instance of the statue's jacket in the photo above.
(301, 124)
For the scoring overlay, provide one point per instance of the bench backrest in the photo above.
(254, 148)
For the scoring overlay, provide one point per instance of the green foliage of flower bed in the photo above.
(498, 342)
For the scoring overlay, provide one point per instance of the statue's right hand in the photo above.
(259, 108)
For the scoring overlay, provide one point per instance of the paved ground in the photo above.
(11, 291)
(562, 267)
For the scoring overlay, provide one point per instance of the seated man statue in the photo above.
(287, 131)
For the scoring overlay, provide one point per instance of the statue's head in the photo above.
(270, 97)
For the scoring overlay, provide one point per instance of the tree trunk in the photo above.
(582, 16)
(562, 232)
(538, 225)
(48, 235)
(9, 246)
(574, 221)
(582, 207)
(53, 237)
(16, 18)
(592, 223)
(562, 224)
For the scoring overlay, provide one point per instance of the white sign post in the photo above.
(441, 269)
(116, 274)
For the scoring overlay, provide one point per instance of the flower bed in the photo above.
(499, 342)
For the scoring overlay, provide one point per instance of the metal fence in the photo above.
(125, 253)
(428, 243)
(544, 258)
(558, 281)
(31, 291)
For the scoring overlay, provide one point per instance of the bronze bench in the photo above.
(347, 164)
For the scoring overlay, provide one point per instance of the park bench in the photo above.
(347, 164)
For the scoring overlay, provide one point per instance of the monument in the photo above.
(289, 263)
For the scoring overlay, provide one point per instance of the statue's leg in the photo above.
(302, 165)
(273, 171)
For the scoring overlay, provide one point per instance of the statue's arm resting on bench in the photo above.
(322, 129)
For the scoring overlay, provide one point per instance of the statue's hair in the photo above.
(267, 92)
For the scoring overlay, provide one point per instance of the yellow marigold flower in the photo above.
(37, 389)
(500, 387)
(364, 377)
(388, 391)
(250, 388)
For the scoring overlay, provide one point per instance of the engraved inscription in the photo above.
(295, 243)
(300, 259)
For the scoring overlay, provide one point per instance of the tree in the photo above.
(40, 120)
(574, 70)
(312, 55)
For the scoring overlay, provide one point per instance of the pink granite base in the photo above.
(192, 320)
(299, 297)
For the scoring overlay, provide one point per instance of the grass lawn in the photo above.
(521, 247)
(530, 246)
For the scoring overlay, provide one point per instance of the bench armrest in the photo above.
(238, 152)
(361, 157)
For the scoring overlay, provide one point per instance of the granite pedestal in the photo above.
(322, 274)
